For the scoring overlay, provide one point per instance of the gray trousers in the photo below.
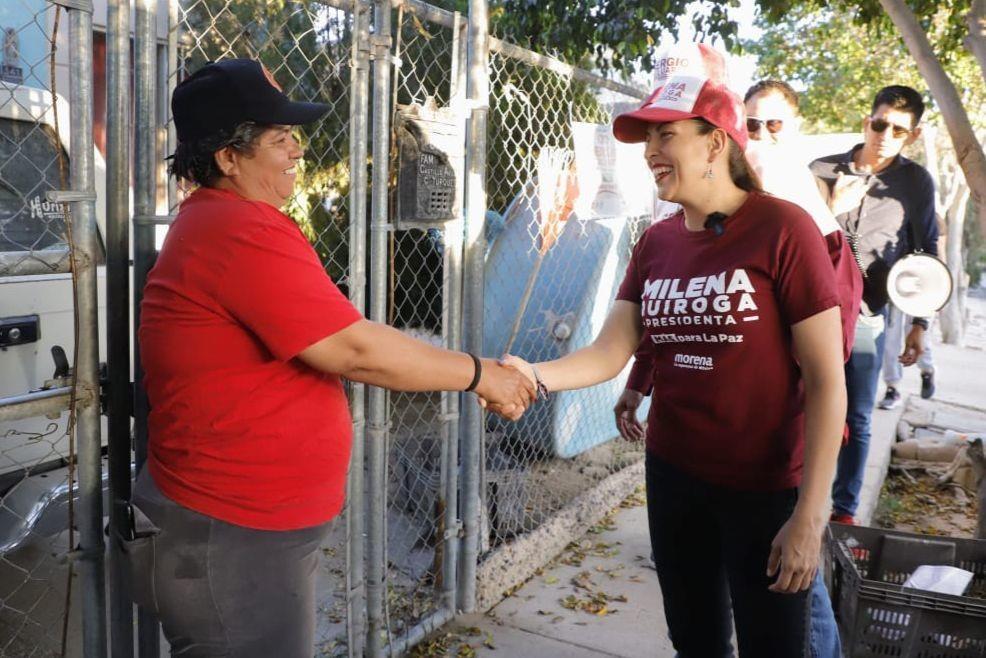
(221, 589)
(898, 324)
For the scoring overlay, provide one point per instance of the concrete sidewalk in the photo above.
(600, 598)
(538, 620)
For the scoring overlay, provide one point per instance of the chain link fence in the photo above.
(32, 159)
(562, 231)
(37, 338)
(550, 280)
(423, 426)
(551, 275)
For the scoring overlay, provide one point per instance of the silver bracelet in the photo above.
(542, 390)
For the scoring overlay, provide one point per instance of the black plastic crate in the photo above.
(879, 617)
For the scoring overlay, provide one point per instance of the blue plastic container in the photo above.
(572, 293)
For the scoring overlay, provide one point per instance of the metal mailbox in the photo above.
(431, 162)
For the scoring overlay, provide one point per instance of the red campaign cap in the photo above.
(686, 97)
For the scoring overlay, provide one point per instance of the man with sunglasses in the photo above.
(773, 123)
(772, 114)
(885, 203)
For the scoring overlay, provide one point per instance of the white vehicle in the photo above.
(36, 308)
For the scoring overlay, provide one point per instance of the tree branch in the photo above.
(976, 40)
(968, 151)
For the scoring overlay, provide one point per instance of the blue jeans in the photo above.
(824, 632)
(862, 378)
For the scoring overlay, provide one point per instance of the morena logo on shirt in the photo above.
(694, 361)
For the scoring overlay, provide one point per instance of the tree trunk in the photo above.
(949, 187)
(976, 41)
(929, 139)
(968, 151)
(952, 317)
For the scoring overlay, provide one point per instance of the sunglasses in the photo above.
(753, 124)
(880, 125)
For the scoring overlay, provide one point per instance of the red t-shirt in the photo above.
(849, 282)
(239, 429)
(728, 402)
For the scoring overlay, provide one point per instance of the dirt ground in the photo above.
(916, 495)
(912, 501)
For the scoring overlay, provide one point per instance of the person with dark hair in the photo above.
(787, 117)
(244, 341)
(899, 97)
(737, 295)
(773, 125)
(886, 205)
(194, 162)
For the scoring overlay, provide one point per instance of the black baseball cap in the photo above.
(226, 93)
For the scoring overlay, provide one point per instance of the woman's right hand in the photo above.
(521, 366)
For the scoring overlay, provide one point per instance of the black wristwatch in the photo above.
(920, 322)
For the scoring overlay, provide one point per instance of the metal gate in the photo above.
(52, 474)
(438, 495)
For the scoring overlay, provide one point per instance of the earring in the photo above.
(708, 173)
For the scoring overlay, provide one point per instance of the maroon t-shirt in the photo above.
(728, 402)
(848, 281)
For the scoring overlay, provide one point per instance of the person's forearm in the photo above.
(825, 414)
(588, 366)
(618, 339)
(641, 374)
(383, 356)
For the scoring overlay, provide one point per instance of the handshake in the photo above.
(507, 387)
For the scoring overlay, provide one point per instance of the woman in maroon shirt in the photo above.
(737, 295)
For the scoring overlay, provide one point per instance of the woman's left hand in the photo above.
(794, 554)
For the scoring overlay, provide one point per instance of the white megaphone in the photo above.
(919, 284)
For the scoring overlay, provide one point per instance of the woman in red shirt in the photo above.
(243, 340)
(738, 298)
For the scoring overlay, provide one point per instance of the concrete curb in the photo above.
(514, 563)
(883, 435)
